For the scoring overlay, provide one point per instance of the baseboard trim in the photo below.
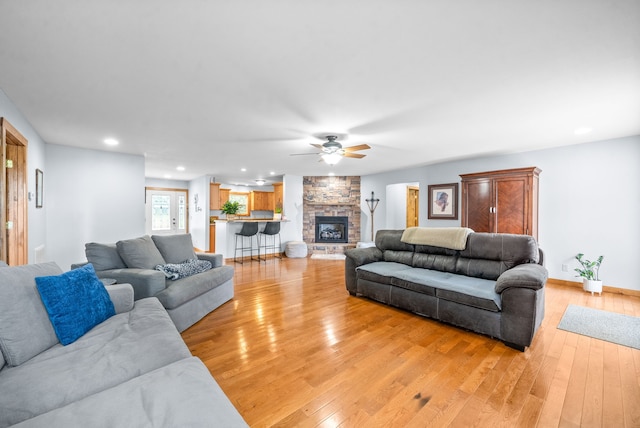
(605, 288)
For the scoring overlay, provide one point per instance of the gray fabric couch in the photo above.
(494, 286)
(131, 370)
(133, 261)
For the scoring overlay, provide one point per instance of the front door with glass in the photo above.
(166, 212)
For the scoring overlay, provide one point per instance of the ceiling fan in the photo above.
(332, 151)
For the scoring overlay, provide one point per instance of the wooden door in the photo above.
(412, 206)
(476, 205)
(13, 200)
(511, 205)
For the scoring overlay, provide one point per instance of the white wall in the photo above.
(396, 196)
(90, 196)
(292, 189)
(589, 202)
(35, 160)
(199, 218)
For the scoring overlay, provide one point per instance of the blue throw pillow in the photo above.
(76, 301)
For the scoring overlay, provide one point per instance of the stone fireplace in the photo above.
(331, 197)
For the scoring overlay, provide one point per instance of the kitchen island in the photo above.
(225, 236)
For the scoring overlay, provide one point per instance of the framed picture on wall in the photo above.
(39, 188)
(443, 201)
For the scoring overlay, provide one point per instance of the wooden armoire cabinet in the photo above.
(504, 201)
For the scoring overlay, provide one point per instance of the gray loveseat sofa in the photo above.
(131, 370)
(133, 261)
(494, 285)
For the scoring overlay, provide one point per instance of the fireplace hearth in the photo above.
(332, 229)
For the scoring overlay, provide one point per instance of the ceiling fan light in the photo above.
(331, 158)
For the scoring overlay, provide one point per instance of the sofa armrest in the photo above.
(527, 275)
(357, 257)
(145, 282)
(215, 259)
(122, 297)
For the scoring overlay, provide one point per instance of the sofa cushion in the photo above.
(380, 272)
(121, 348)
(140, 253)
(415, 280)
(25, 329)
(488, 255)
(76, 301)
(185, 289)
(175, 248)
(103, 256)
(437, 258)
(470, 291)
(181, 394)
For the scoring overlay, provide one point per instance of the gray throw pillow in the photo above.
(25, 329)
(175, 248)
(140, 253)
(103, 256)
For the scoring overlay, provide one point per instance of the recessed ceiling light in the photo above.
(581, 131)
(180, 168)
(332, 174)
(272, 173)
(243, 169)
(260, 182)
(167, 176)
(111, 141)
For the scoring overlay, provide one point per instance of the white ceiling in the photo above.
(219, 85)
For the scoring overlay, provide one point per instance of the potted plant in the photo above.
(590, 273)
(277, 212)
(230, 208)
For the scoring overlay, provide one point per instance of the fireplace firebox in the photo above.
(332, 229)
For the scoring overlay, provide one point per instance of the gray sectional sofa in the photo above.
(133, 261)
(492, 284)
(131, 370)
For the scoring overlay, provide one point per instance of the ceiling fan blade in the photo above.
(317, 146)
(302, 154)
(356, 148)
(353, 155)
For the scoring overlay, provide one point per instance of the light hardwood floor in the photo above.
(293, 348)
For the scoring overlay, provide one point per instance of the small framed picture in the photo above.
(443, 201)
(39, 188)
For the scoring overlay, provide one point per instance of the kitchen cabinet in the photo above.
(503, 201)
(214, 196)
(278, 196)
(212, 238)
(261, 201)
(223, 196)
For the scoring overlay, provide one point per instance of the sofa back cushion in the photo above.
(488, 255)
(103, 256)
(25, 329)
(140, 253)
(435, 258)
(175, 248)
(393, 249)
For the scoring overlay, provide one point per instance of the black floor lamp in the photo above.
(373, 204)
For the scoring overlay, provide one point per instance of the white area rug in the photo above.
(328, 256)
(609, 326)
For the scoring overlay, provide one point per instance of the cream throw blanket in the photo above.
(454, 238)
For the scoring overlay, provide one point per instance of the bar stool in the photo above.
(272, 228)
(249, 230)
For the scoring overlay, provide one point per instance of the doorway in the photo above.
(413, 201)
(14, 220)
(165, 211)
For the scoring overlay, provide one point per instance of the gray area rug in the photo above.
(605, 325)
